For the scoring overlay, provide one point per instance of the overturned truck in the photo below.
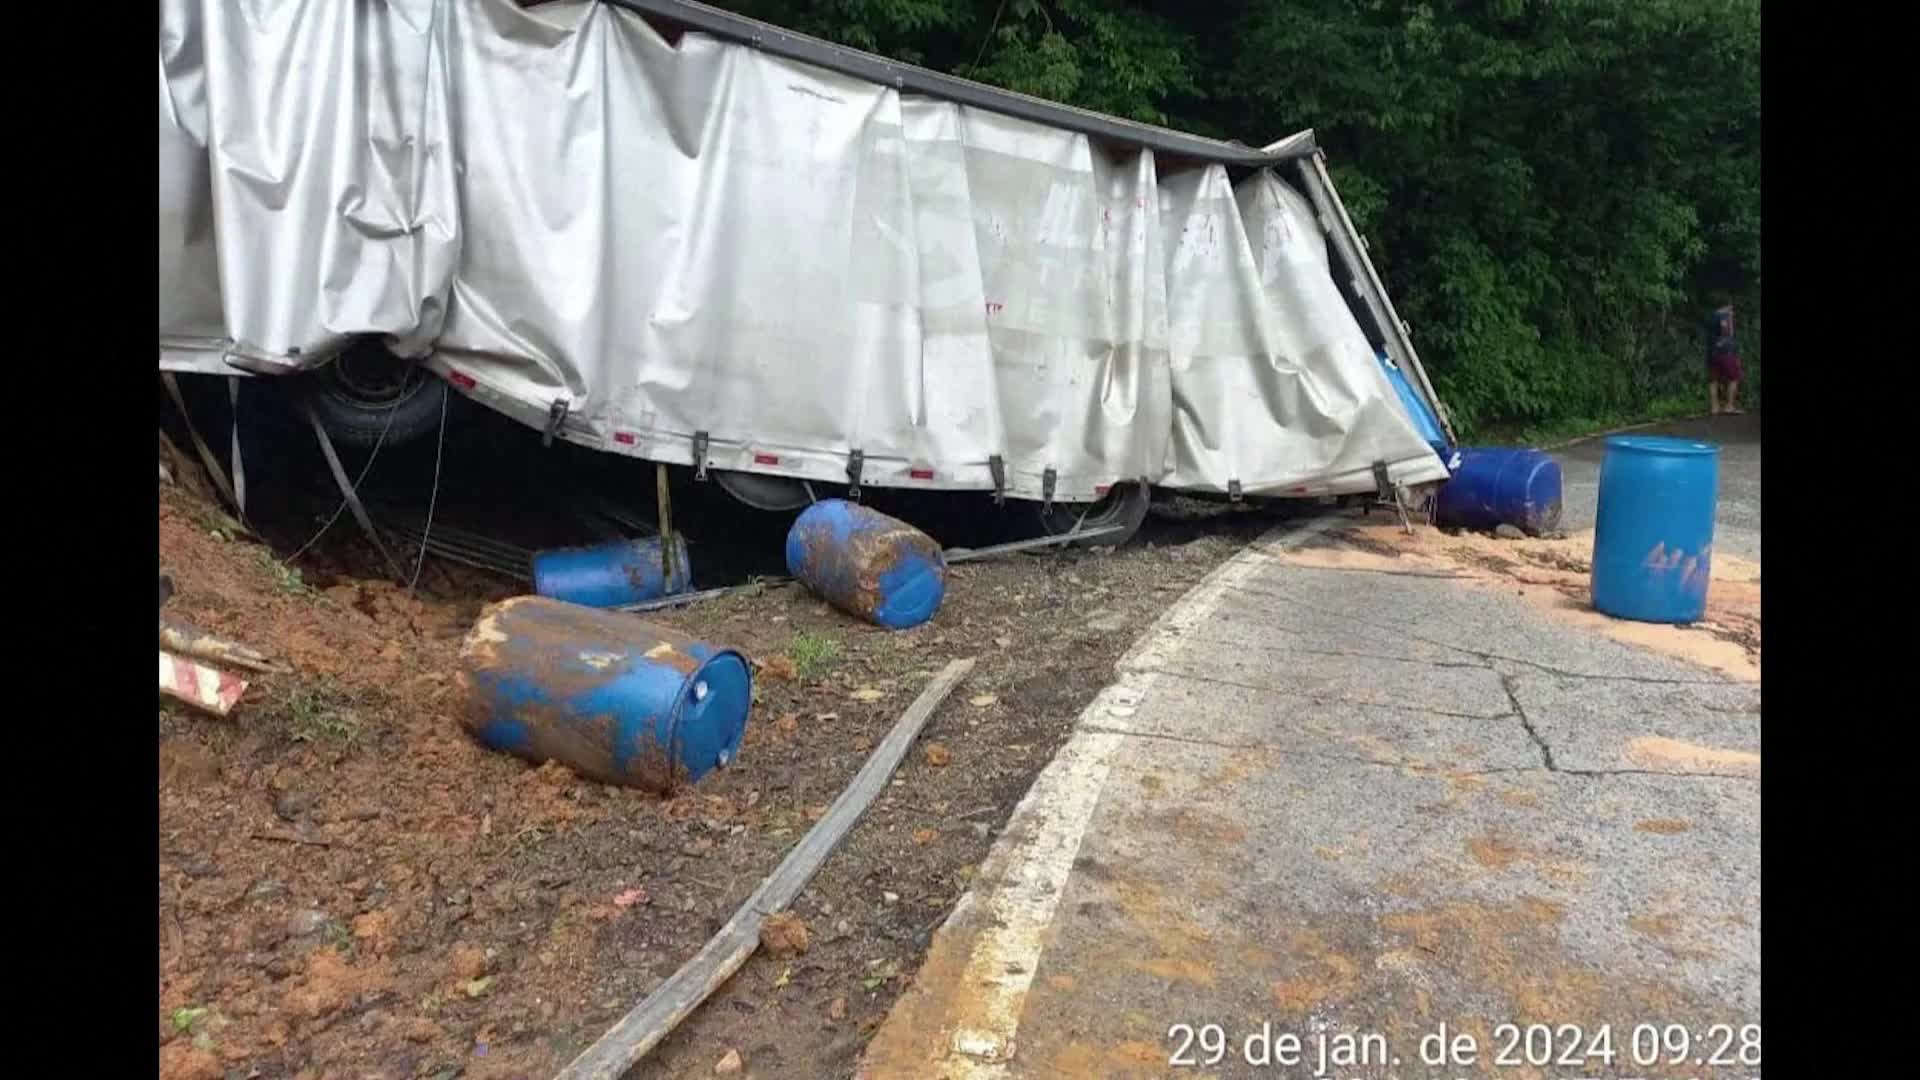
(657, 229)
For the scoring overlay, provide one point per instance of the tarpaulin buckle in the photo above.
(556, 415)
(699, 455)
(1233, 491)
(997, 465)
(1392, 494)
(855, 461)
(1047, 480)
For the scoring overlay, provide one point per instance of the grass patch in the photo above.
(336, 935)
(317, 715)
(286, 579)
(812, 653)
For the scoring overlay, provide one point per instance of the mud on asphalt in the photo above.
(350, 886)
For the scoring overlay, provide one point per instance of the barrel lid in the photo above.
(1659, 444)
(714, 706)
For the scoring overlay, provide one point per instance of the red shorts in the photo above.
(1724, 366)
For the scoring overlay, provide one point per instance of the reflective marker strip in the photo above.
(464, 382)
(920, 474)
(197, 684)
(625, 438)
(766, 459)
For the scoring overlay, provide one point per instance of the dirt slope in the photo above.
(352, 887)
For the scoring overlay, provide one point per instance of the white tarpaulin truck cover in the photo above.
(691, 235)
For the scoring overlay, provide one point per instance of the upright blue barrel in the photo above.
(610, 696)
(608, 575)
(1653, 528)
(1494, 486)
(867, 564)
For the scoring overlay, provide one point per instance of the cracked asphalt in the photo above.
(1327, 801)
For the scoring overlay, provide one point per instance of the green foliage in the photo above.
(1554, 190)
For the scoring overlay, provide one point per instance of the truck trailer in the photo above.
(658, 229)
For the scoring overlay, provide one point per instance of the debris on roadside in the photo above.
(199, 685)
(611, 575)
(610, 697)
(189, 641)
(779, 666)
(784, 934)
(867, 564)
(474, 847)
(642, 1028)
(1501, 486)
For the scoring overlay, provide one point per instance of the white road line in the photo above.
(1022, 879)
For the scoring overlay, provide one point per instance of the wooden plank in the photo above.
(178, 637)
(653, 1019)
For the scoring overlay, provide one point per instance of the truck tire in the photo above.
(367, 390)
(1124, 505)
(774, 494)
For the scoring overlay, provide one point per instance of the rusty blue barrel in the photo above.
(608, 575)
(867, 564)
(1653, 528)
(610, 696)
(1496, 485)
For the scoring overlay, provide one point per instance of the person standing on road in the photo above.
(1723, 362)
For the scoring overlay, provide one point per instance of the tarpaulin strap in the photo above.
(352, 497)
(556, 416)
(239, 466)
(200, 445)
(856, 463)
(998, 467)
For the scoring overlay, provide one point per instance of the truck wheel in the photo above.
(367, 390)
(1124, 505)
(775, 494)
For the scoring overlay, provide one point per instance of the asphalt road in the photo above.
(1327, 801)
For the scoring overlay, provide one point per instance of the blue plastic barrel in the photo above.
(610, 696)
(1653, 528)
(1423, 419)
(867, 564)
(1495, 485)
(608, 575)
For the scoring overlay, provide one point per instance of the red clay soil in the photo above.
(352, 887)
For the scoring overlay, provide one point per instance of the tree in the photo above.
(1552, 189)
